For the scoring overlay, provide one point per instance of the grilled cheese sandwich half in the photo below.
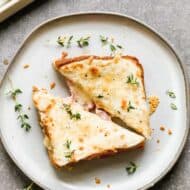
(113, 84)
(73, 134)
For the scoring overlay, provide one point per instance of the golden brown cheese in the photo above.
(73, 134)
(107, 77)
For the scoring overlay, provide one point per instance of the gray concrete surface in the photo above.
(169, 17)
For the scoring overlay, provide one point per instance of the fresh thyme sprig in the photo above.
(69, 41)
(70, 152)
(83, 41)
(130, 107)
(76, 116)
(100, 96)
(64, 41)
(29, 187)
(61, 40)
(107, 41)
(132, 80)
(131, 168)
(19, 109)
(104, 40)
(173, 106)
(112, 48)
(171, 94)
(68, 144)
(14, 93)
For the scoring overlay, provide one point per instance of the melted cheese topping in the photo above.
(69, 139)
(108, 78)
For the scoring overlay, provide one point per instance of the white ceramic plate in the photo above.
(163, 70)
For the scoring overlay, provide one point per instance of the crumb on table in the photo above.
(97, 180)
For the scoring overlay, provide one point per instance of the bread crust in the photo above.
(64, 61)
(103, 154)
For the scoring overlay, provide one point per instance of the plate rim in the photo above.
(148, 27)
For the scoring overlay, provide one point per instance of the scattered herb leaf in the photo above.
(76, 116)
(132, 80)
(173, 106)
(23, 120)
(82, 42)
(119, 46)
(170, 94)
(18, 107)
(112, 48)
(61, 40)
(104, 40)
(64, 41)
(29, 187)
(69, 41)
(69, 154)
(130, 107)
(68, 144)
(100, 96)
(131, 168)
(14, 93)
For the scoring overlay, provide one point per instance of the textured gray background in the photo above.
(171, 18)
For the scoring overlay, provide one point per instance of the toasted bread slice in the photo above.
(73, 134)
(114, 84)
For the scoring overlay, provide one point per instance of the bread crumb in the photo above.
(108, 186)
(34, 89)
(29, 108)
(5, 62)
(153, 103)
(26, 66)
(162, 128)
(52, 85)
(97, 180)
(158, 141)
(169, 132)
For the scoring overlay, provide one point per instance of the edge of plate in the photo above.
(182, 66)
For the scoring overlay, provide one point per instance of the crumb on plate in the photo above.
(162, 128)
(108, 186)
(52, 85)
(29, 108)
(153, 103)
(169, 132)
(26, 66)
(158, 141)
(5, 62)
(97, 180)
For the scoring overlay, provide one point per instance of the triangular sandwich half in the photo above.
(73, 134)
(113, 84)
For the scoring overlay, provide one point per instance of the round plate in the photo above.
(163, 71)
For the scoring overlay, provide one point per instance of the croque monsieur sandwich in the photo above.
(73, 134)
(110, 86)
